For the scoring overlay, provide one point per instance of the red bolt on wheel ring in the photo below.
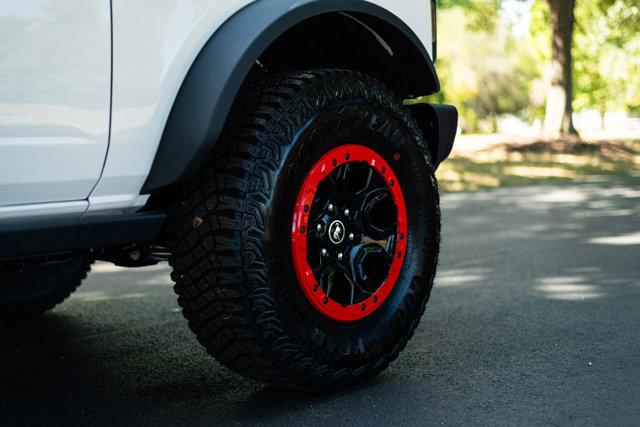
(344, 241)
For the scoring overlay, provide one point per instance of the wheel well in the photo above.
(352, 41)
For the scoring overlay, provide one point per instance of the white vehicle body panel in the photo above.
(55, 83)
(64, 142)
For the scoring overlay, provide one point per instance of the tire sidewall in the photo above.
(369, 122)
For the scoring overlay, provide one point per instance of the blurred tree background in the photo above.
(513, 61)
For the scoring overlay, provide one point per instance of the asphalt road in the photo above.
(535, 319)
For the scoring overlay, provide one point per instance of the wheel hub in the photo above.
(352, 205)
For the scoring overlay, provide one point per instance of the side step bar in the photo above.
(19, 239)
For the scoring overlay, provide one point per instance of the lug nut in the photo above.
(351, 236)
(340, 256)
(346, 212)
(330, 207)
(323, 251)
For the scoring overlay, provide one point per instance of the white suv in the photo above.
(262, 147)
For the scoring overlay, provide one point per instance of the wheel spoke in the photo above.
(352, 292)
(344, 283)
(378, 214)
(343, 172)
(372, 184)
(369, 265)
(367, 183)
(339, 180)
(324, 275)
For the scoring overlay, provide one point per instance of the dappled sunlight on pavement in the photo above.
(463, 277)
(622, 240)
(498, 161)
(106, 267)
(568, 288)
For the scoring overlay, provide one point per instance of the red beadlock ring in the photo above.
(314, 294)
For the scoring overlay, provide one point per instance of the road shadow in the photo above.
(533, 320)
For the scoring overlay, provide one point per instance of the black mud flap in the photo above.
(438, 123)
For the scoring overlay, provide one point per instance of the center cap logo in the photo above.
(336, 232)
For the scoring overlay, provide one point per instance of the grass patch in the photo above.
(540, 162)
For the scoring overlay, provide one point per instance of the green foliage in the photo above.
(606, 52)
(482, 15)
(488, 71)
(607, 55)
(484, 73)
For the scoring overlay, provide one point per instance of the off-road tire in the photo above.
(27, 290)
(231, 248)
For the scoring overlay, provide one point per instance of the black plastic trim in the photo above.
(439, 124)
(20, 239)
(211, 85)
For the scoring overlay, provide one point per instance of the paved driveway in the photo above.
(535, 318)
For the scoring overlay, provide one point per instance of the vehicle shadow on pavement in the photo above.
(534, 319)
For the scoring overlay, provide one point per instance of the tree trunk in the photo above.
(559, 110)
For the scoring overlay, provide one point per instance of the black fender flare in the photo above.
(215, 77)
